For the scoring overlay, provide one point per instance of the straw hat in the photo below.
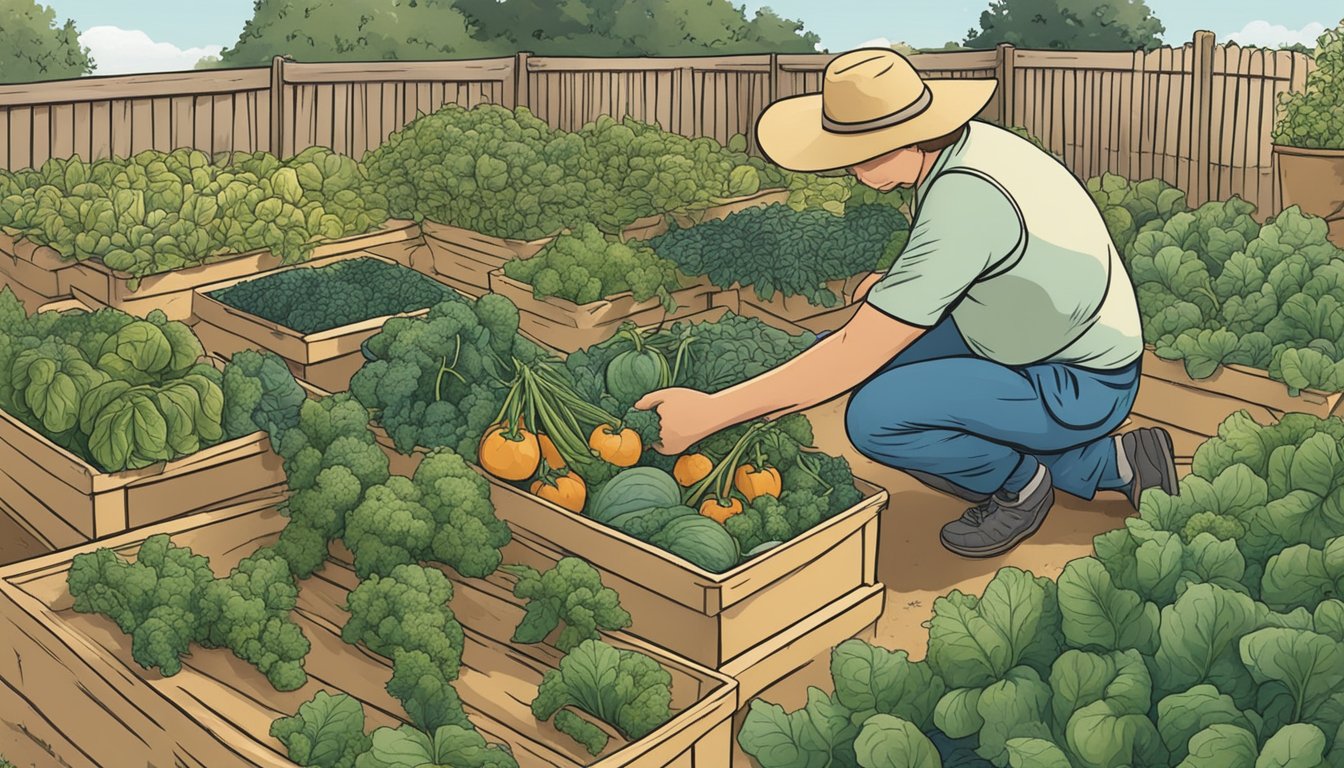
(872, 101)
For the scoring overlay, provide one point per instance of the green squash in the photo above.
(636, 372)
(644, 524)
(700, 541)
(762, 548)
(634, 490)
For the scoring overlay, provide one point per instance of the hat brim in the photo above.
(791, 135)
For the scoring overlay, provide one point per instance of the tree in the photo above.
(331, 30)
(634, 27)
(1108, 25)
(34, 47)
(355, 30)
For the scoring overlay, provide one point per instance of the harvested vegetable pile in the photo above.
(567, 433)
(775, 249)
(1208, 632)
(313, 299)
(156, 212)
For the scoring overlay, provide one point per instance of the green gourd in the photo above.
(634, 490)
(637, 372)
(700, 541)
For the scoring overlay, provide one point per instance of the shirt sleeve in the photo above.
(965, 227)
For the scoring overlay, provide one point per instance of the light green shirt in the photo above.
(1011, 245)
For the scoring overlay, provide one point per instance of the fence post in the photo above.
(522, 96)
(1006, 55)
(278, 106)
(1201, 101)
(774, 77)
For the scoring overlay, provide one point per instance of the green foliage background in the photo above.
(1120, 25)
(33, 46)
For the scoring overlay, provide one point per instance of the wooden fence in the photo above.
(1199, 116)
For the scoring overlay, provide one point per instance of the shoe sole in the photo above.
(1011, 544)
(1155, 447)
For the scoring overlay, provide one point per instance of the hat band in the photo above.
(886, 121)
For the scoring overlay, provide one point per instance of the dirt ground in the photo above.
(913, 564)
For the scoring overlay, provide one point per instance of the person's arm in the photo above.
(966, 226)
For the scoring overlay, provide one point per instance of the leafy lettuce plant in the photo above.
(1209, 631)
(1312, 118)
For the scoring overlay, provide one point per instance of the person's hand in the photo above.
(687, 417)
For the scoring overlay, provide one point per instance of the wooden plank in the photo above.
(41, 134)
(403, 71)
(63, 130)
(184, 121)
(142, 125)
(135, 86)
(388, 108)
(82, 130)
(4, 139)
(748, 62)
(341, 123)
(221, 123)
(20, 138)
(323, 115)
(203, 124)
(161, 119)
(241, 135)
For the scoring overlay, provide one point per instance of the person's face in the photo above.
(894, 169)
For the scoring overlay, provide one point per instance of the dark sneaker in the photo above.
(1152, 461)
(947, 486)
(1000, 523)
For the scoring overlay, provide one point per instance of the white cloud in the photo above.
(1273, 35)
(118, 51)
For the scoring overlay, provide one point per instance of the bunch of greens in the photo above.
(331, 463)
(1215, 288)
(438, 380)
(168, 598)
(1133, 207)
(587, 266)
(644, 170)
(1206, 632)
(118, 392)
(314, 299)
(775, 249)
(492, 170)
(625, 689)
(156, 212)
(570, 592)
(1313, 117)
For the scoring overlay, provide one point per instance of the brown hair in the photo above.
(942, 142)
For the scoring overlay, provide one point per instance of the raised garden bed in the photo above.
(35, 273)
(99, 286)
(789, 312)
(565, 326)
(63, 500)
(1195, 407)
(464, 259)
(325, 358)
(217, 711)
(731, 206)
(713, 619)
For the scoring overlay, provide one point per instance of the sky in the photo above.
(165, 35)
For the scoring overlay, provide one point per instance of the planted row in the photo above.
(507, 173)
(1207, 632)
(156, 212)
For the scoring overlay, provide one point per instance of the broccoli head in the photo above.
(407, 610)
(571, 593)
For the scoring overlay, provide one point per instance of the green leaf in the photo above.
(958, 713)
(1295, 746)
(975, 642)
(1017, 706)
(1310, 667)
(1199, 635)
(872, 679)
(1221, 746)
(1036, 753)
(541, 618)
(1099, 616)
(1182, 715)
(890, 742)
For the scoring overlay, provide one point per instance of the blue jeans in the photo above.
(940, 409)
